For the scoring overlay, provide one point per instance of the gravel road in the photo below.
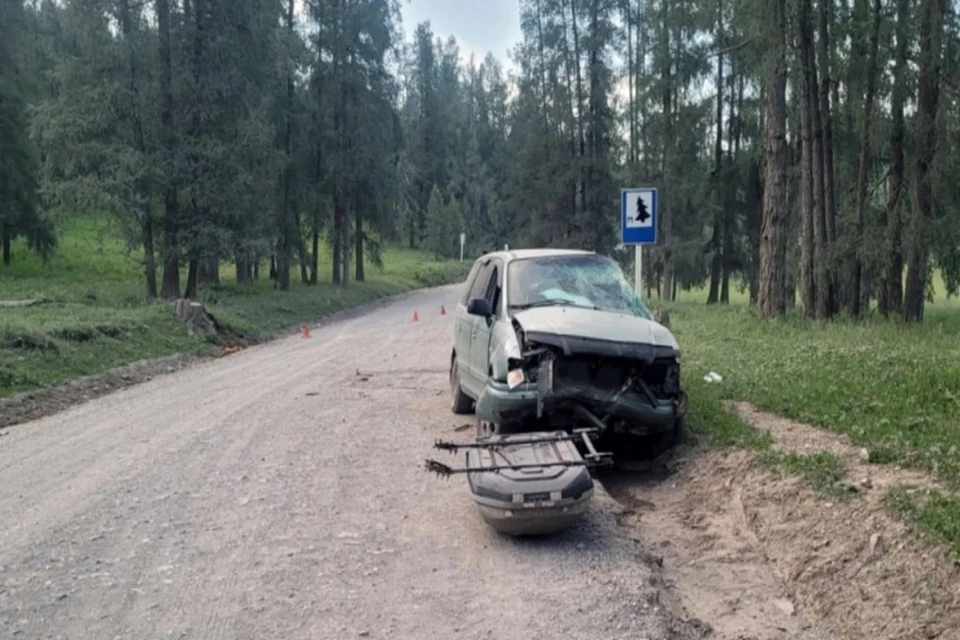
(277, 493)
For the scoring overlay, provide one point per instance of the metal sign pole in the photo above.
(638, 267)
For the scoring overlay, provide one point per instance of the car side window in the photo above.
(480, 285)
(494, 289)
(468, 285)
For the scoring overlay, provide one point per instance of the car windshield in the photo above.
(590, 281)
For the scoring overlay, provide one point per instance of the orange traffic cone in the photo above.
(416, 316)
(443, 311)
(305, 333)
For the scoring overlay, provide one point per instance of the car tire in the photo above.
(462, 404)
(664, 442)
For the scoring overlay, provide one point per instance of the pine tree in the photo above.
(19, 206)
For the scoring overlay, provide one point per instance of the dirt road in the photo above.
(278, 493)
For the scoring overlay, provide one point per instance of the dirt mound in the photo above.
(760, 556)
(33, 405)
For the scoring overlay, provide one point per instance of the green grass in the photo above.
(96, 316)
(936, 515)
(713, 423)
(823, 471)
(891, 388)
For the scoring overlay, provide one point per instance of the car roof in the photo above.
(523, 254)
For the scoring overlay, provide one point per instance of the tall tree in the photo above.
(829, 178)
(890, 296)
(171, 210)
(809, 166)
(854, 299)
(928, 99)
(772, 295)
(20, 214)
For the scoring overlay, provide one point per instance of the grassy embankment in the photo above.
(95, 316)
(892, 389)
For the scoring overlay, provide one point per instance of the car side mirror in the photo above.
(479, 307)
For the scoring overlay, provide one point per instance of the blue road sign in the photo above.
(638, 216)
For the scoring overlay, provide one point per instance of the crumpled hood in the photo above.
(592, 324)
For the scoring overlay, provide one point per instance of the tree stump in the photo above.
(198, 321)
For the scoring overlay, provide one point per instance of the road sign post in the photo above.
(638, 225)
(463, 239)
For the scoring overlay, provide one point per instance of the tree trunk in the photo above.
(171, 251)
(304, 259)
(863, 174)
(314, 257)
(358, 221)
(345, 244)
(755, 213)
(928, 96)
(244, 270)
(336, 271)
(716, 241)
(829, 178)
(5, 239)
(140, 190)
(336, 235)
(286, 222)
(596, 145)
(641, 120)
(631, 111)
(580, 107)
(727, 243)
(890, 298)
(666, 219)
(192, 273)
(821, 250)
(304, 263)
(542, 70)
(771, 297)
(149, 256)
(209, 271)
(807, 207)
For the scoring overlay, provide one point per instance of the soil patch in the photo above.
(762, 556)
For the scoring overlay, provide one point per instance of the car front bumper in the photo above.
(639, 414)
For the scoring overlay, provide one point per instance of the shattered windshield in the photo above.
(590, 281)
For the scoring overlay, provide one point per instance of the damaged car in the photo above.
(561, 337)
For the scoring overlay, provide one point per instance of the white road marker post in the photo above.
(463, 239)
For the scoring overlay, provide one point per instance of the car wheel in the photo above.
(462, 403)
(668, 440)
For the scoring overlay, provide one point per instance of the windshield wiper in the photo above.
(552, 303)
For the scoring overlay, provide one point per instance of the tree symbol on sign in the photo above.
(642, 214)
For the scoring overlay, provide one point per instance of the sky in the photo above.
(480, 26)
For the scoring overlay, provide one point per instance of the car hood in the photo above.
(593, 324)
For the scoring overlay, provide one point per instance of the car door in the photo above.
(461, 321)
(482, 328)
(470, 380)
